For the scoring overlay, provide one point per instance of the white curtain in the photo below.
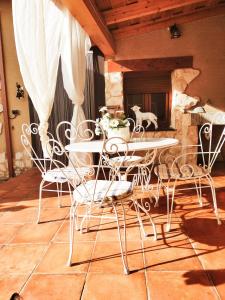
(37, 28)
(75, 45)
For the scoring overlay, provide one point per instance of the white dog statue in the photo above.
(144, 116)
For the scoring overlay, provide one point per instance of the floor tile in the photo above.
(53, 214)
(115, 287)
(8, 231)
(218, 278)
(55, 287)
(204, 230)
(29, 202)
(36, 233)
(108, 231)
(173, 255)
(212, 256)
(179, 285)
(52, 202)
(19, 215)
(10, 284)
(90, 235)
(38, 253)
(8, 205)
(55, 260)
(20, 259)
(107, 257)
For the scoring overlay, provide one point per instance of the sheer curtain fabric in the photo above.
(42, 33)
(37, 28)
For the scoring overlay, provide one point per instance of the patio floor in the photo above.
(187, 263)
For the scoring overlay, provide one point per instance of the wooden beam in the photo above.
(143, 9)
(165, 23)
(87, 14)
(6, 113)
(165, 64)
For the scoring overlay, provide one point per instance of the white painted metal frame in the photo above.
(142, 164)
(114, 193)
(50, 175)
(174, 167)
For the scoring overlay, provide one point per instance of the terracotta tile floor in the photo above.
(186, 263)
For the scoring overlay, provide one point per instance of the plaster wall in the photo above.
(203, 39)
(12, 75)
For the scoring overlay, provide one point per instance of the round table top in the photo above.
(134, 145)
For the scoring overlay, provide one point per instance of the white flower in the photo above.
(107, 115)
(113, 123)
(97, 131)
(105, 123)
(103, 109)
(127, 124)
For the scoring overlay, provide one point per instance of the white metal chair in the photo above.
(101, 188)
(53, 179)
(180, 164)
(138, 166)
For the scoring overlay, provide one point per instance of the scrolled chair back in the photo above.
(40, 161)
(210, 148)
(65, 132)
(138, 131)
(69, 171)
(114, 152)
(85, 131)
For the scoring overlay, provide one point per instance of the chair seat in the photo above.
(125, 161)
(63, 174)
(165, 172)
(102, 191)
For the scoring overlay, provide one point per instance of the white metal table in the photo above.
(137, 144)
(134, 145)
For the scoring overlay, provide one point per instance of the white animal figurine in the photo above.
(144, 116)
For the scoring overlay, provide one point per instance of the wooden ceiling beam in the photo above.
(87, 14)
(143, 9)
(162, 24)
(165, 64)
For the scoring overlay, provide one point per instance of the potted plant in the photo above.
(115, 125)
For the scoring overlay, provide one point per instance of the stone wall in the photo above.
(21, 162)
(114, 88)
(185, 129)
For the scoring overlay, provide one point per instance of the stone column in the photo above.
(113, 87)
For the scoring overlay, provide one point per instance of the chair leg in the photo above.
(170, 209)
(70, 192)
(59, 193)
(159, 185)
(86, 218)
(142, 207)
(71, 232)
(39, 201)
(212, 186)
(123, 255)
(199, 191)
(137, 209)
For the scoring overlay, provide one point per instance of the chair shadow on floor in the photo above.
(204, 231)
(207, 277)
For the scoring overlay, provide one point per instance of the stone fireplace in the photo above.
(184, 129)
(184, 120)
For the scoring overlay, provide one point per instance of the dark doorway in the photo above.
(152, 92)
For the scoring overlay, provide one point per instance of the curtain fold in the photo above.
(75, 44)
(89, 91)
(37, 29)
(42, 33)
